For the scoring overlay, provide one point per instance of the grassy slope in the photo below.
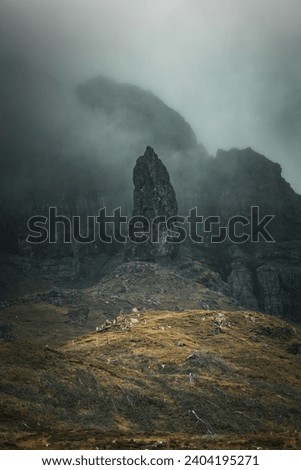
(192, 379)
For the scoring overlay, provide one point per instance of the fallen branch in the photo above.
(209, 428)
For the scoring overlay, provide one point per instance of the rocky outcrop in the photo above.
(241, 286)
(154, 203)
(238, 179)
(153, 192)
(271, 286)
(261, 275)
(279, 289)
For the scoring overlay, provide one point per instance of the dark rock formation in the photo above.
(261, 275)
(238, 179)
(153, 193)
(154, 203)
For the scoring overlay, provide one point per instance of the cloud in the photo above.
(230, 67)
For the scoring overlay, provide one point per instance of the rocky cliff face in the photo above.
(261, 275)
(238, 179)
(267, 278)
(154, 203)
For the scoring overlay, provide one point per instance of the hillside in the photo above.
(53, 316)
(157, 379)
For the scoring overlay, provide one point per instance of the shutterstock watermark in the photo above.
(139, 229)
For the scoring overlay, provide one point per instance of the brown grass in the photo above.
(192, 379)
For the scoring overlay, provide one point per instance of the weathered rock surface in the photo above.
(241, 286)
(261, 275)
(155, 202)
(238, 179)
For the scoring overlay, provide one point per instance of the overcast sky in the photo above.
(232, 68)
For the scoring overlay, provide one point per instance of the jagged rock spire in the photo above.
(154, 196)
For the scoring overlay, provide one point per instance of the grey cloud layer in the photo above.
(231, 67)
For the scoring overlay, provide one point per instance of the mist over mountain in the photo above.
(232, 69)
(139, 112)
(60, 143)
